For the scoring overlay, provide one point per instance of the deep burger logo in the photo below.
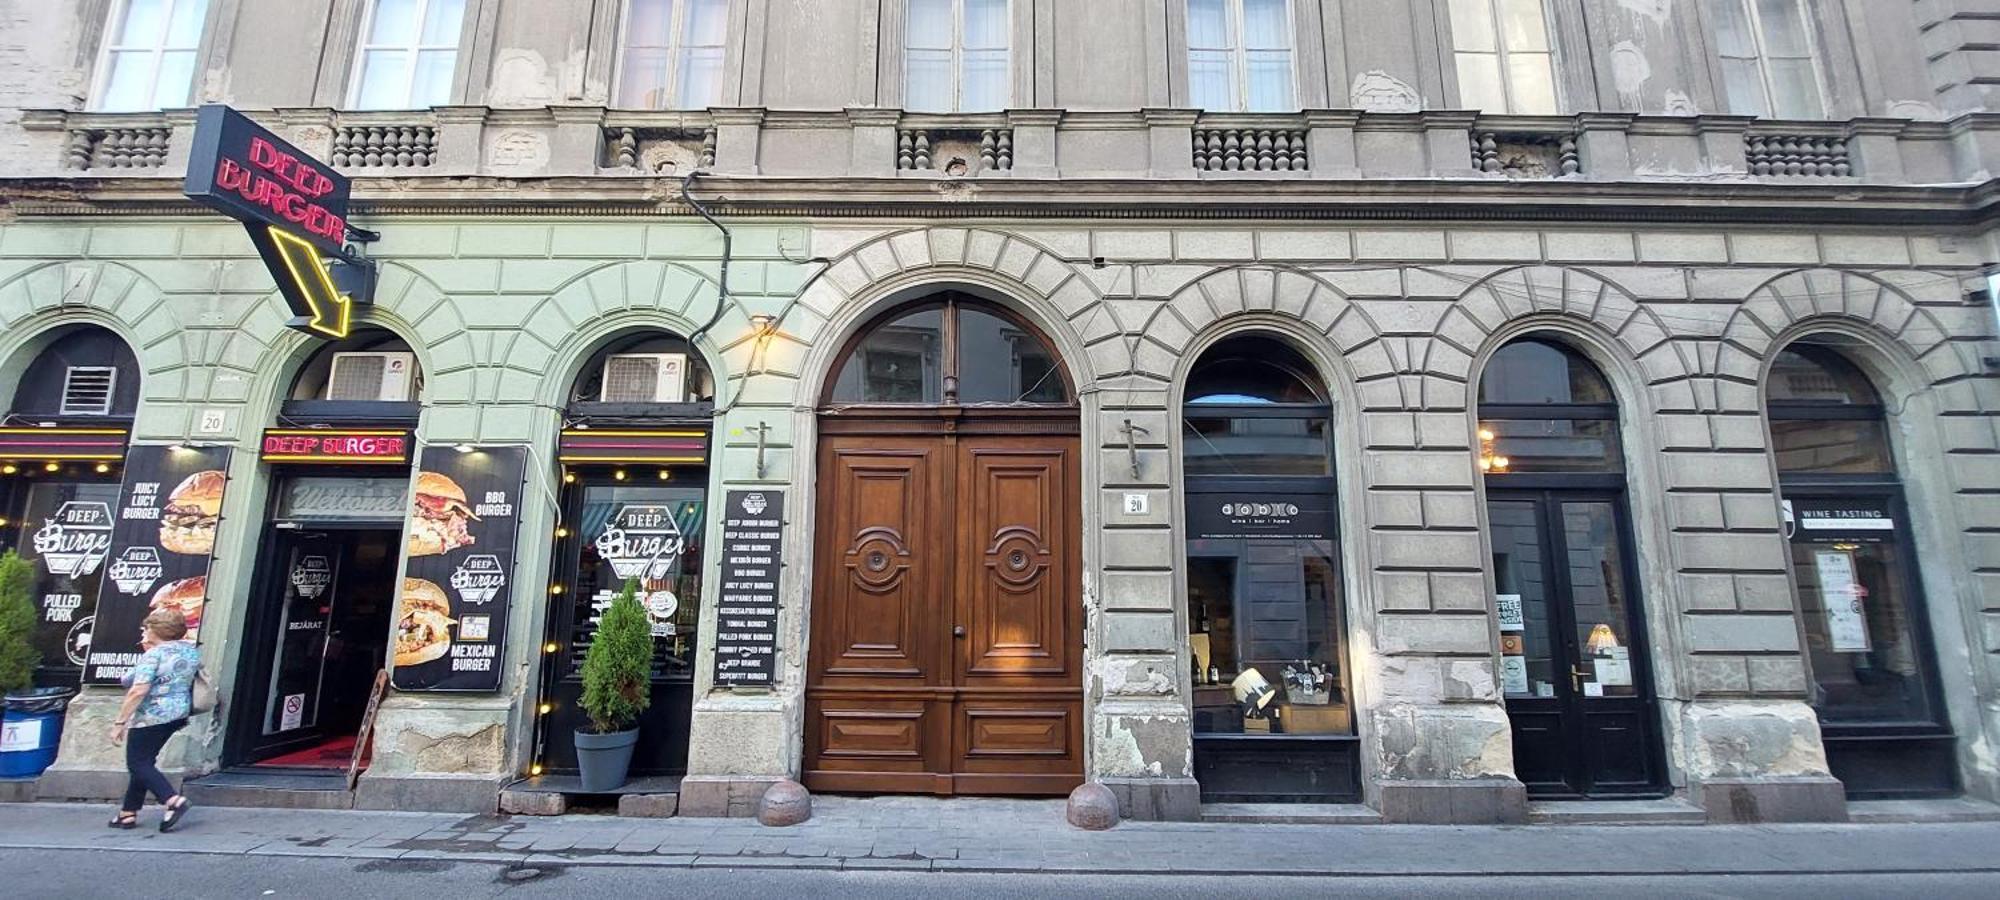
(642, 542)
(754, 503)
(75, 540)
(311, 576)
(479, 579)
(136, 570)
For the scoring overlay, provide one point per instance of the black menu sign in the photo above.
(162, 537)
(451, 623)
(746, 615)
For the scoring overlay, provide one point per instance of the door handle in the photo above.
(958, 631)
(1576, 679)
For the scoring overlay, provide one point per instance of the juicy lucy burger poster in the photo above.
(451, 620)
(162, 537)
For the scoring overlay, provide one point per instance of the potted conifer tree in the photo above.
(617, 685)
(18, 655)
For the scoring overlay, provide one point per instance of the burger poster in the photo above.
(162, 537)
(451, 621)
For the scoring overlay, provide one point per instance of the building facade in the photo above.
(1416, 403)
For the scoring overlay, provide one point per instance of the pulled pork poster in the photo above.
(162, 538)
(451, 622)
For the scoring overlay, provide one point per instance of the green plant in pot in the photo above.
(617, 685)
(18, 655)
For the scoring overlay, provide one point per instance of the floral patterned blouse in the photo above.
(169, 670)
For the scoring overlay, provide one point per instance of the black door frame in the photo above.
(1908, 744)
(1549, 492)
(241, 745)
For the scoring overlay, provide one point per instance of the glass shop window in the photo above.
(1543, 407)
(955, 56)
(407, 55)
(958, 352)
(149, 55)
(1240, 55)
(1826, 418)
(63, 531)
(1501, 48)
(672, 55)
(1264, 597)
(654, 534)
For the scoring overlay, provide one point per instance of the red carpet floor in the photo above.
(335, 753)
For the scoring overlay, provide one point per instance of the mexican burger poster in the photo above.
(162, 538)
(451, 617)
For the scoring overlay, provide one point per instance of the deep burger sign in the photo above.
(295, 208)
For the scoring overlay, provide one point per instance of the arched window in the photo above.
(371, 365)
(1263, 578)
(86, 372)
(1544, 408)
(1855, 567)
(953, 350)
(1572, 637)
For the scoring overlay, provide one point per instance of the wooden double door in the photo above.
(947, 617)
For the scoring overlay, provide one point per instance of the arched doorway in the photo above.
(946, 652)
(634, 504)
(62, 453)
(1574, 664)
(1875, 684)
(1273, 705)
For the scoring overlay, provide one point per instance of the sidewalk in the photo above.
(1023, 836)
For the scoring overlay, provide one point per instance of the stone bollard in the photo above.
(1093, 807)
(785, 803)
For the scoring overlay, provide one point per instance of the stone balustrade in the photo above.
(1043, 144)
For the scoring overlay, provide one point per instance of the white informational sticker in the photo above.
(294, 714)
(1593, 689)
(1618, 652)
(20, 736)
(1514, 674)
(474, 628)
(1512, 617)
(1544, 689)
(1846, 623)
(1613, 672)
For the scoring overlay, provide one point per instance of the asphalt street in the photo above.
(58, 874)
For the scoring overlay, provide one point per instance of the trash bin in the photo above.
(31, 730)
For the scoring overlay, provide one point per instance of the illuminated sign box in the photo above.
(295, 208)
(329, 447)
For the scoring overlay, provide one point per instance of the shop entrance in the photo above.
(946, 653)
(317, 633)
(1578, 696)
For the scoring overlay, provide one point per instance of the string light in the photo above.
(535, 769)
(664, 474)
(548, 708)
(620, 474)
(9, 469)
(551, 647)
(555, 589)
(562, 532)
(103, 468)
(51, 467)
(569, 478)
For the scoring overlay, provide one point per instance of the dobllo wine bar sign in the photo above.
(295, 208)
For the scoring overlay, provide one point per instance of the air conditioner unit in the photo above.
(371, 376)
(88, 390)
(645, 378)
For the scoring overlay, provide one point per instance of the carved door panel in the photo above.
(946, 620)
(1017, 617)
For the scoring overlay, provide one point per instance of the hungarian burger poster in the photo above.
(162, 539)
(451, 620)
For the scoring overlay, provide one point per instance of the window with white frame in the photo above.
(672, 54)
(407, 54)
(1767, 58)
(149, 50)
(955, 56)
(1504, 63)
(1240, 55)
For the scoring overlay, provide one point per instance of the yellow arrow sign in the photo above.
(328, 311)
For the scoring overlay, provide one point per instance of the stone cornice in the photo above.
(1433, 200)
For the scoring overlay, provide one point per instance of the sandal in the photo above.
(125, 821)
(175, 814)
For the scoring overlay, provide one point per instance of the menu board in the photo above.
(746, 615)
(451, 621)
(65, 534)
(162, 538)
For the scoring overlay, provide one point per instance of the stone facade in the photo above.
(541, 224)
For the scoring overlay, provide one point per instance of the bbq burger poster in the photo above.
(162, 538)
(451, 621)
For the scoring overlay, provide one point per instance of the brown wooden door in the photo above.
(947, 623)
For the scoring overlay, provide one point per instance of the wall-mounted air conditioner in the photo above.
(371, 376)
(645, 378)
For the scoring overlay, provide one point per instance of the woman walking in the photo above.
(159, 696)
